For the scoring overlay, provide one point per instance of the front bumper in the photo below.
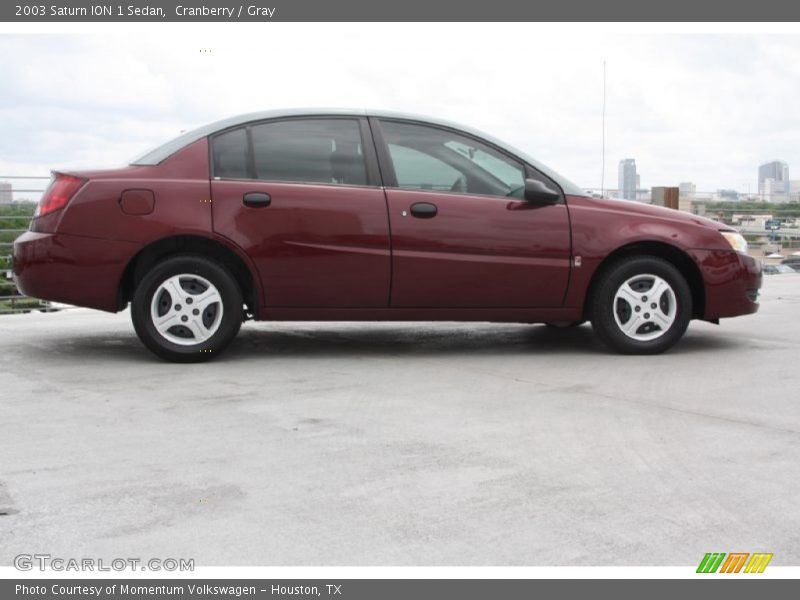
(731, 280)
(71, 269)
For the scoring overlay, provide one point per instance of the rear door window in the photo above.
(309, 151)
(294, 150)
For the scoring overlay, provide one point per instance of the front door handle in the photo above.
(256, 199)
(424, 210)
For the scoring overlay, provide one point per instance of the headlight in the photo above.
(736, 240)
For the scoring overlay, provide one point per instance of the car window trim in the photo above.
(251, 154)
(371, 165)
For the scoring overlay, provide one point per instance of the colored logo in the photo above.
(735, 562)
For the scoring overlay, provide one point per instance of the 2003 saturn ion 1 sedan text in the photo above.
(359, 215)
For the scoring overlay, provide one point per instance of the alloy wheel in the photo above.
(645, 307)
(186, 309)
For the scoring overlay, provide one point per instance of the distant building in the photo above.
(686, 194)
(628, 178)
(773, 178)
(775, 191)
(750, 221)
(794, 190)
(6, 195)
(665, 196)
(687, 190)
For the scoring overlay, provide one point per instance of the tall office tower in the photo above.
(778, 172)
(628, 179)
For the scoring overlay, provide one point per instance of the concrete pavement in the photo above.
(403, 444)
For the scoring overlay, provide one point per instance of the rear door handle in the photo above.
(256, 199)
(424, 210)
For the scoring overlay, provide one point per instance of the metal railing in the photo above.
(11, 301)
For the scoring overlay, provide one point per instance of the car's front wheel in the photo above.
(187, 309)
(641, 305)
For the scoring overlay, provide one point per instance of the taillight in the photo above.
(61, 189)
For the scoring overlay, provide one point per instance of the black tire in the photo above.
(609, 315)
(224, 327)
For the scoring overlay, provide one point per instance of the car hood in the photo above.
(657, 212)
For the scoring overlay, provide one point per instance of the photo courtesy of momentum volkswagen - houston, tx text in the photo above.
(354, 215)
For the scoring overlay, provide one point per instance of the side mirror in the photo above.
(536, 191)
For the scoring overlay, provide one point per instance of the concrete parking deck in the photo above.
(421, 444)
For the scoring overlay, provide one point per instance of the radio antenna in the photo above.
(603, 153)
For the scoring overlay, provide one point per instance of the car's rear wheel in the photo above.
(641, 305)
(187, 309)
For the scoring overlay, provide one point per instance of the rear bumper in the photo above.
(71, 269)
(732, 281)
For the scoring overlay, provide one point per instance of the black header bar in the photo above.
(406, 10)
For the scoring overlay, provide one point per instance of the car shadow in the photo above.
(259, 341)
(417, 339)
(427, 339)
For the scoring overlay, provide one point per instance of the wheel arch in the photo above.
(162, 248)
(672, 254)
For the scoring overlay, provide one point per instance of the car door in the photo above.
(462, 233)
(301, 196)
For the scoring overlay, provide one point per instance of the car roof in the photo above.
(164, 151)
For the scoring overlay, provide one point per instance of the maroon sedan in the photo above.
(354, 215)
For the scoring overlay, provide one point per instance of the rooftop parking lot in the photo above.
(412, 444)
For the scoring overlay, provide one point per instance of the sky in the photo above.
(706, 108)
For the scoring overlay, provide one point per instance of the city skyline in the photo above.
(773, 179)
